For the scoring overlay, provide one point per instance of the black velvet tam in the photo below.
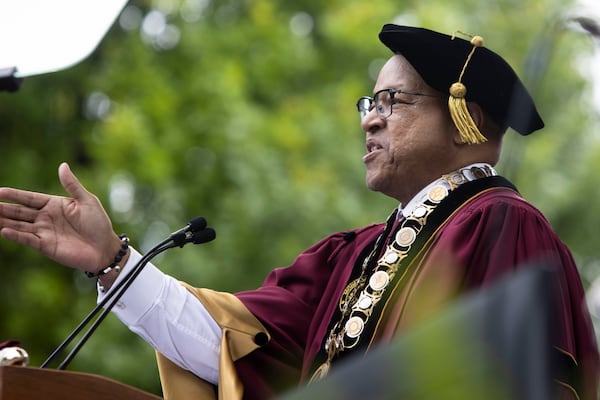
(490, 80)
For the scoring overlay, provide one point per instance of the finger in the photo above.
(70, 182)
(18, 226)
(24, 197)
(28, 239)
(17, 212)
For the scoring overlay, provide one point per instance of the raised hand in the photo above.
(74, 231)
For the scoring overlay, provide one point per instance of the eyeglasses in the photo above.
(382, 101)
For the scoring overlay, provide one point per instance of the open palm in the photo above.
(74, 231)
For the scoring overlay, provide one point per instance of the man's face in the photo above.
(414, 145)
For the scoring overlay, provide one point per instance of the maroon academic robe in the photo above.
(488, 237)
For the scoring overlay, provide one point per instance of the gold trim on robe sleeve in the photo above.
(242, 334)
(178, 383)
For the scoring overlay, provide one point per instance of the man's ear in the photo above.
(477, 114)
(478, 117)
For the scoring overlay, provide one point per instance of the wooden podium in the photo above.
(25, 383)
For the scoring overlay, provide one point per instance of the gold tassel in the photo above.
(469, 133)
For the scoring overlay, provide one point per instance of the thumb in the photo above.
(70, 182)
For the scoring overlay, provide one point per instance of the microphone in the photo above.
(194, 232)
(203, 236)
(181, 236)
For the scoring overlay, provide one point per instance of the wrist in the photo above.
(108, 274)
(105, 281)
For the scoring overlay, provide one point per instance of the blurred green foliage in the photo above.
(243, 112)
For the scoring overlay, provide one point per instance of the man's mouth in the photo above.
(371, 147)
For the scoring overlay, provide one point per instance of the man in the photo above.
(459, 227)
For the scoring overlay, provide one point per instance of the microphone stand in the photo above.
(196, 232)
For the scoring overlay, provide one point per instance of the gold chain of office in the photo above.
(360, 296)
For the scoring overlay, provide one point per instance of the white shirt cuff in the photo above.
(141, 294)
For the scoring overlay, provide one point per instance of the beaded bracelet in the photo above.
(115, 264)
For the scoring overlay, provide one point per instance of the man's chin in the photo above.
(374, 185)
